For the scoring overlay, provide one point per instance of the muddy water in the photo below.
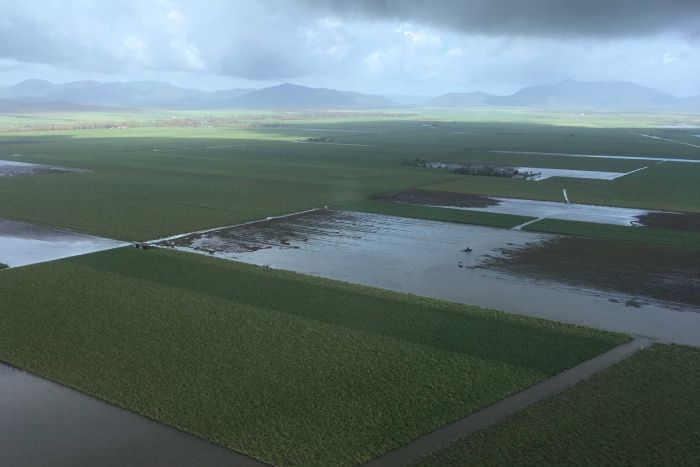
(665, 274)
(22, 243)
(427, 258)
(46, 424)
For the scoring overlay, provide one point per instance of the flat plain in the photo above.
(288, 368)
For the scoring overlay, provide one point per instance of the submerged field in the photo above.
(643, 411)
(287, 368)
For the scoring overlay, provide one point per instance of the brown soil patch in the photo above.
(438, 198)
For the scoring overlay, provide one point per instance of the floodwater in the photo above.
(22, 243)
(601, 156)
(564, 211)
(428, 258)
(520, 207)
(545, 173)
(14, 169)
(46, 424)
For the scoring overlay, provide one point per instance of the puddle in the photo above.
(428, 258)
(22, 243)
(14, 169)
(44, 423)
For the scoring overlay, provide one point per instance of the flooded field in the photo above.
(44, 423)
(22, 243)
(601, 156)
(670, 275)
(545, 173)
(473, 265)
(565, 211)
(520, 207)
(14, 169)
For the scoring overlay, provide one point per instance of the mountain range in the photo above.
(576, 95)
(40, 95)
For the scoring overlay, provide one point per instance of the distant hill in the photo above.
(135, 94)
(593, 95)
(292, 96)
(38, 105)
(43, 95)
(576, 95)
(39, 95)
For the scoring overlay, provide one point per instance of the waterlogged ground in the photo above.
(520, 207)
(542, 173)
(14, 169)
(666, 274)
(428, 258)
(22, 243)
(570, 212)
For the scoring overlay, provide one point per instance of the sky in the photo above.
(389, 47)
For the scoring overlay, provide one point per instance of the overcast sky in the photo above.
(422, 47)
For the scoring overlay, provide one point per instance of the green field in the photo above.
(145, 188)
(150, 182)
(643, 411)
(287, 368)
(669, 237)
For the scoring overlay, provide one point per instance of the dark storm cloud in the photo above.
(391, 46)
(534, 18)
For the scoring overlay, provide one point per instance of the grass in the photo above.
(643, 411)
(434, 214)
(136, 193)
(287, 368)
(150, 182)
(677, 238)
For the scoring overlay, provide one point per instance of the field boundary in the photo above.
(491, 415)
(214, 229)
